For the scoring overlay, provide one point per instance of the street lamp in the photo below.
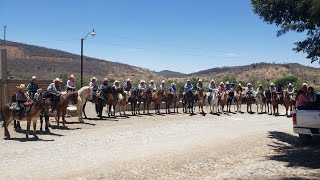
(82, 39)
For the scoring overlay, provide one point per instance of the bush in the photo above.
(284, 81)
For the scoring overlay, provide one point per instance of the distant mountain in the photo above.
(167, 73)
(25, 60)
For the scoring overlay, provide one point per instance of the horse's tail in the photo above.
(2, 117)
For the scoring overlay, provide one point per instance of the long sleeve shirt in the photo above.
(172, 89)
(71, 84)
(93, 85)
(141, 86)
(188, 87)
(52, 88)
(33, 87)
(127, 86)
(153, 86)
(199, 85)
(163, 87)
(212, 86)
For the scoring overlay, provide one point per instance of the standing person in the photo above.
(21, 99)
(173, 88)
(93, 84)
(71, 85)
(32, 87)
(127, 87)
(142, 85)
(212, 86)
(152, 86)
(163, 86)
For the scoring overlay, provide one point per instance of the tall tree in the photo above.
(294, 15)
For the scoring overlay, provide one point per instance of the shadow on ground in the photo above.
(288, 148)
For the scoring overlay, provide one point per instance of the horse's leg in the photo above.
(58, 117)
(28, 127)
(63, 118)
(83, 110)
(35, 128)
(41, 122)
(6, 131)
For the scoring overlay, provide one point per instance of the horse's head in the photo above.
(42, 104)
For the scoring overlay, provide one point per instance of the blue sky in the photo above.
(179, 35)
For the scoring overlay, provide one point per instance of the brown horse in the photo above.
(275, 101)
(288, 102)
(32, 113)
(177, 98)
(62, 106)
(268, 101)
(201, 98)
(250, 100)
(223, 101)
(145, 97)
(238, 101)
(113, 99)
(169, 98)
(157, 99)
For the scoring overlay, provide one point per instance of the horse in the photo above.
(250, 100)
(268, 101)
(223, 100)
(275, 101)
(238, 99)
(201, 98)
(102, 99)
(84, 94)
(169, 98)
(145, 97)
(288, 102)
(133, 99)
(31, 114)
(112, 102)
(123, 101)
(188, 102)
(177, 97)
(261, 100)
(62, 106)
(157, 99)
(230, 99)
(213, 101)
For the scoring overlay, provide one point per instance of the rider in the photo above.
(104, 84)
(54, 89)
(142, 85)
(272, 88)
(127, 87)
(173, 88)
(33, 86)
(249, 90)
(93, 84)
(199, 85)
(163, 86)
(71, 85)
(188, 86)
(290, 89)
(260, 89)
(21, 99)
(279, 91)
(239, 88)
(228, 86)
(212, 86)
(152, 85)
(116, 85)
(221, 88)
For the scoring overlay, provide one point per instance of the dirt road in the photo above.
(179, 146)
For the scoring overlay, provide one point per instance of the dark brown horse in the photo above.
(275, 101)
(157, 99)
(145, 97)
(250, 100)
(288, 102)
(201, 98)
(113, 99)
(176, 100)
(168, 98)
(62, 106)
(268, 101)
(32, 114)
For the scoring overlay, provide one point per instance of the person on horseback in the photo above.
(127, 87)
(272, 88)
(54, 89)
(71, 85)
(260, 90)
(188, 86)
(21, 99)
(212, 86)
(221, 88)
(142, 85)
(290, 89)
(116, 85)
(239, 88)
(104, 85)
(32, 86)
(173, 88)
(228, 86)
(163, 86)
(279, 91)
(199, 85)
(93, 84)
(249, 90)
(152, 86)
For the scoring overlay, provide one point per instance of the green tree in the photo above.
(284, 81)
(294, 15)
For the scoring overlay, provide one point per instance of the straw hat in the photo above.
(227, 82)
(22, 86)
(34, 77)
(163, 81)
(212, 80)
(304, 84)
(200, 80)
(128, 80)
(172, 84)
(71, 76)
(93, 78)
(188, 80)
(142, 81)
(105, 79)
(151, 81)
(221, 83)
(240, 84)
(248, 84)
(290, 84)
(56, 80)
(271, 84)
(260, 84)
(116, 81)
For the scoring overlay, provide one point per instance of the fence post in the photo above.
(3, 74)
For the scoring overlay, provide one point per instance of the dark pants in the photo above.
(21, 110)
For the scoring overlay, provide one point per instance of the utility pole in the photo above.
(4, 36)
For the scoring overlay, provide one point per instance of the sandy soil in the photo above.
(178, 146)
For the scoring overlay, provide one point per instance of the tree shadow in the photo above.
(289, 149)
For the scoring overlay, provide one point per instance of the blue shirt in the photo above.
(199, 85)
(188, 87)
(52, 88)
(172, 89)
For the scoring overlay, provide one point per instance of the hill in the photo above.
(26, 60)
(167, 73)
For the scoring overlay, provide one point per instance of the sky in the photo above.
(178, 35)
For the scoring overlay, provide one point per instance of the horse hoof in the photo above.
(35, 137)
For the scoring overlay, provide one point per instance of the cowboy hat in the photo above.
(221, 83)
(200, 80)
(93, 78)
(116, 81)
(240, 84)
(188, 80)
(163, 81)
(304, 84)
(212, 80)
(34, 77)
(271, 84)
(260, 84)
(151, 81)
(227, 82)
(22, 86)
(105, 79)
(289, 84)
(172, 84)
(142, 81)
(56, 80)
(248, 84)
(71, 76)
(128, 79)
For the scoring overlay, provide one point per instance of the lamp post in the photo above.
(82, 39)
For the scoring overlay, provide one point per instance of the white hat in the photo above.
(240, 84)
(290, 84)
(271, 84)
(22, 86)
(105, 79)
(212, 80)
(128, 79)
(142, 81)
(248, 84)
(151, 81)
(71, 76)
(227, 82)
(188, 80)
(34, 77)
(116, 81)
(93, 78)
(163, 81)
(56, 80)
(172, 84)
(200, 80)
(304, 84)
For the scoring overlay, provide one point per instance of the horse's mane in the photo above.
(82, 89)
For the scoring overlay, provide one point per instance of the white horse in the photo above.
(84, 94)
(260, 101)
(213, 101)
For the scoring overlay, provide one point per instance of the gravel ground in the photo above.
(178, 146)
